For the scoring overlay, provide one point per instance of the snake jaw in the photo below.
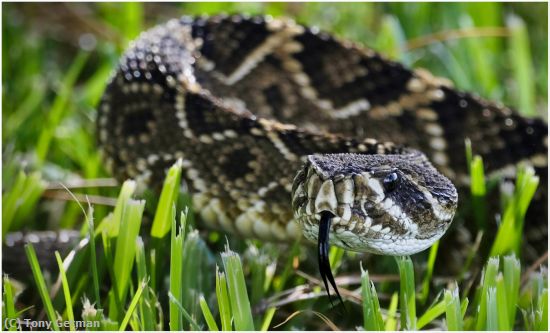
(323, 247)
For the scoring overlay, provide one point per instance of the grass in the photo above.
(176, 277)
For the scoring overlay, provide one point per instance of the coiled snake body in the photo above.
(244, 101)
(283, 130)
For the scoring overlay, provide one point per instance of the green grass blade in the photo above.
(176, 267)
(372, 317)
(336, 254)
(146, 310)
(491, 323)
(133, 305)
(502, 303)
(113, 293)
(238, 295)
(431, 314)
(133, 16)
(512, 272)
(478, 191)
(407, 293)
(488, 282)
(391, 322)
(207, 314)
(66, 291)
(186, 315)
(463, 305)
(93, 251)
(522, 66)
(128, 188)
(223, 300)
(41, 284)
(480, 60)
(126, 246)
(509, 234)
(9, 313)
(453, 312)
(268, 317)
(198, 264)
(429, 271)
(541, 318)
(168, 197)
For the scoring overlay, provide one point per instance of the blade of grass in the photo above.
(429, 271)
(207, 314)
(522, 66)
(133, 305)
(488, 281)
(407, 293)
(194, 325)
(169, 196)
(128, 188)
(431, 314)
(113, 293)
(223, 300)
(509, 234)
(9, 305)
(453, 314)
(176, 262)
(502, 304)
(480, 60)
(478, 191)
(125, 246)
(93, 259)
(512, 272)
(372, 317)
(146, 311)
(491, 323)
(541, 320)
(321, 316)
(197, 263)
(268, 317)
(133, 17)
(41, 284)
(66, 292)
(335, 258)
(238, 296)
(391, 322)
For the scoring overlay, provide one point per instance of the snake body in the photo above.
(273, 124)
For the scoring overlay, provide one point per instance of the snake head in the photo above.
(386, 204)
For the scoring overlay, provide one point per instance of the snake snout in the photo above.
(314, 193)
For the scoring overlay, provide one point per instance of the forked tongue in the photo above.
(323, 247)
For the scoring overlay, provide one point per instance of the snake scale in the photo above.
(283, 130)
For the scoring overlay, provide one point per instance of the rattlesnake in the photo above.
(244, 102)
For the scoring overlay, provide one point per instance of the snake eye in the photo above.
(390, 181)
